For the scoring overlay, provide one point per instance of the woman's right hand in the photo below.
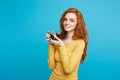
(48, 39)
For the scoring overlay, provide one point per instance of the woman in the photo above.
(67, 52)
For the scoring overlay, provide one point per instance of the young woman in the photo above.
(67, 52)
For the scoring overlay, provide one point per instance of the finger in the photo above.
(53, 41)
(56, 37)
(49, 41)
(47, 35)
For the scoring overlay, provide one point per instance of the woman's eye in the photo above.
(72, 20)
(65, 19)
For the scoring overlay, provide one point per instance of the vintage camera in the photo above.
(52, 35)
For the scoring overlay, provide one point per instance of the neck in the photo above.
(69, 35)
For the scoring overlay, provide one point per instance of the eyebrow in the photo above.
(69, 18)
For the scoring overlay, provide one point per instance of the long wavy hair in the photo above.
(80, 31)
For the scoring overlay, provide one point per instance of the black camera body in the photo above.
(52, 35)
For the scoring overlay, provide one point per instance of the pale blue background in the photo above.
(23, 48)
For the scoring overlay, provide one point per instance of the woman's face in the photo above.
(70, 22)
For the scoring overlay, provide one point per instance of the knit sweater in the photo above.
(64, 60)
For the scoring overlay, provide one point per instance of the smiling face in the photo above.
(70, 22)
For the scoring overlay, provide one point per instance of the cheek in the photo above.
(74, 25)
(63, 23)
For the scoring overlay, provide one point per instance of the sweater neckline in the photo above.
(70, 42)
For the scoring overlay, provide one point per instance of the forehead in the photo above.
(70, 15)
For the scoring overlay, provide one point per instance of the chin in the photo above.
(67, 29)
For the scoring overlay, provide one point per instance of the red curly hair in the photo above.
(80, 30)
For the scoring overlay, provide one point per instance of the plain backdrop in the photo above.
(24, 50)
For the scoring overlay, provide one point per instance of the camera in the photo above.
(52, 35)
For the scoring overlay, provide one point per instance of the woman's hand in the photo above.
(57, 42)
(48, 39)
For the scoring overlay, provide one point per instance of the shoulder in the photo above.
(80, 41)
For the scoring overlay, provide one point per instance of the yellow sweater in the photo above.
(65, 60)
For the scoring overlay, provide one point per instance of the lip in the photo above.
(66, 27)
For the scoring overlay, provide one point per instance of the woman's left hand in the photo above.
(57, 42)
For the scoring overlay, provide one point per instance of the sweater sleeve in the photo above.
(69, 64)
(51, 60)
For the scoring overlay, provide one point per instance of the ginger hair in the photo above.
(80, 31)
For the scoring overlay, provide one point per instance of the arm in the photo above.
(51, 61)
(69, 64)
